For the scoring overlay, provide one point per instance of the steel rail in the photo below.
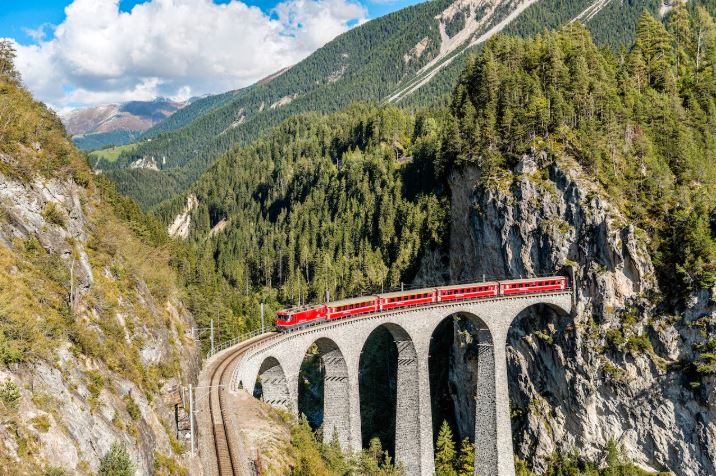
(225, 458)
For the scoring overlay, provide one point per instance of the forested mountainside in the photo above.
(412, 57)
(187, 114)
(554, 156)
(96, 310)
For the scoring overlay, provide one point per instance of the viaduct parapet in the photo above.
(277, 363)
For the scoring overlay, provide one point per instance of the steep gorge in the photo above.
(614, 370)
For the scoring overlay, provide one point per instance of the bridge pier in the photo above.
(336, 399)
(486, 450)
(505, 463)
(407, 414)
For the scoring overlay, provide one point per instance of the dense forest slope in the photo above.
(95, 336)
(412, 57)
(554, 156)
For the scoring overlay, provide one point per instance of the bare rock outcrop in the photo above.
(76, 399)
(617, 369)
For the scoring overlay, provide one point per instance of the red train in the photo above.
(298, 317)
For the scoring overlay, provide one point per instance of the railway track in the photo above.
(225, 457)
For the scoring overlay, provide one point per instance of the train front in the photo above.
(296, 317)
(284, 319)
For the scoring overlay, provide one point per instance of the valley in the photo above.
(473, 141)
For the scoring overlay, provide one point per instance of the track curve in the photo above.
(226, 459)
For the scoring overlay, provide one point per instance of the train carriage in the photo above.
(533, 285)
(467, 291)
(352, 306)
(413, 297)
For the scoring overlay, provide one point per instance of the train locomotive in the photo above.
(303, 316)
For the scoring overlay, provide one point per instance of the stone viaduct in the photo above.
(277, 363)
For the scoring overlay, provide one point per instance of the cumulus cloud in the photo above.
(174, 48)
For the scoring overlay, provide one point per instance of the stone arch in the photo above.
(556, 307)
(272, 385)
(336, 392)
(481, 400)
(407, 387)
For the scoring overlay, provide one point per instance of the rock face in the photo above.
(181, 225)
(77, 399)
(616, 369)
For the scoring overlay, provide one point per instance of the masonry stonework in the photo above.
(341, 343)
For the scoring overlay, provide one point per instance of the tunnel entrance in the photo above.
(378, 389)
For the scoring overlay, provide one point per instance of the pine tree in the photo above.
(679, 26)
(655, 42)
(445, 452)
(7, 61)
(466, 460)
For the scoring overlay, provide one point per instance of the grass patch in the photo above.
(111, 154)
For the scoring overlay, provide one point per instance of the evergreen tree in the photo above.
(116, 462)
(445, 452)
(466, 460)
(655, 45)
(7, 61)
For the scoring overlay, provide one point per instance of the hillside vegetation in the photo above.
(321, 204)
(95, 335)
(642, 123)
(369, 63)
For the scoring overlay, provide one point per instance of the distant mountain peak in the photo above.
(136, 116)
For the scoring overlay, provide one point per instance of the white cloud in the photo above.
(174, 48)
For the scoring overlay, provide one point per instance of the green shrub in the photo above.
(615, 338)
(41, 423)
(53, 214)
(639, 343)
(116, 462)
(96, 382)
(132, 408)
(10, 394)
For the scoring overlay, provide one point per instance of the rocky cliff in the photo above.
(95, 341)
(618, 368)
(94, 355)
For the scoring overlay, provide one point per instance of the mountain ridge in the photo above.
(411, 57)
(117, 123)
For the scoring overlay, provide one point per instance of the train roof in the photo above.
(349, 301)
(468, 285)
(303, 307)
(407, 292)
(529, 280)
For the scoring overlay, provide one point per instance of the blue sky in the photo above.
(19, 16)
(141, 49)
